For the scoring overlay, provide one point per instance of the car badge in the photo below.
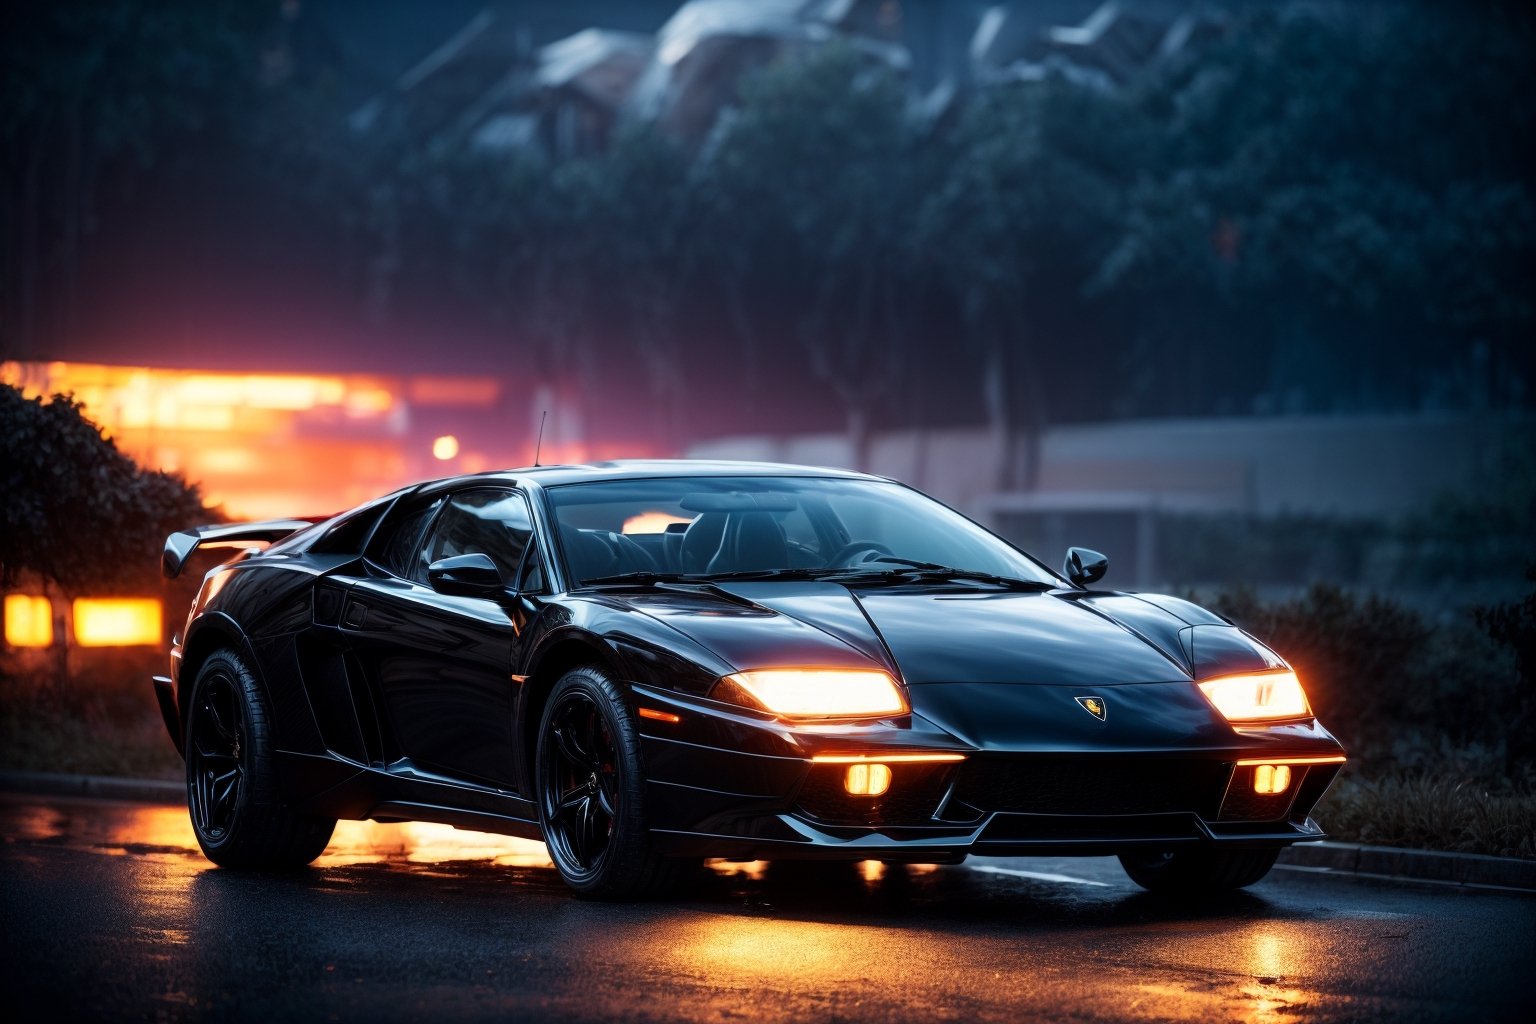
(1093, 705)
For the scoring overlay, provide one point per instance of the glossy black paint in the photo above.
(395, 699)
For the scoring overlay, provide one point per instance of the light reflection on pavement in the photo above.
(109, 909)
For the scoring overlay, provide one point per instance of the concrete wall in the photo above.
(1344, 465)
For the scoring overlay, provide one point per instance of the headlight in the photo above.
(815, 693)
(1262, 697)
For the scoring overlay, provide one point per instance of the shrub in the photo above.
(1402, 693)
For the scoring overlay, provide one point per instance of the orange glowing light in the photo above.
(865, 779)
(445, 447)
(823, 693)
(872, 870)
(1270, 779)
(651, 522)
(1249, 762)
(753, 870)
(268, 444)
(117, 621)
(660, 716)
(28, 620)
(887, 758)
(1257, 697)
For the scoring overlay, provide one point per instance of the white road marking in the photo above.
(1041, 876)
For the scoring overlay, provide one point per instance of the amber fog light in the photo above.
(1270, 779)
(867, 779)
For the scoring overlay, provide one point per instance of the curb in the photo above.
(1471, 869)
(149, 791)
(1466, 869)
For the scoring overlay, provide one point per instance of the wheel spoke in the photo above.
(571, 800)
(195, 801)
(605, 799)
(217, 717)
(225, 788)
(589, 736)
(579, 834)
(569, 749)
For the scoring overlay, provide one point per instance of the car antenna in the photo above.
(539, 446)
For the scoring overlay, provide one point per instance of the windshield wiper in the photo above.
(639, 579)
(648, 578)
(925, 572)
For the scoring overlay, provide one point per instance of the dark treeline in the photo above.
(1318, 212)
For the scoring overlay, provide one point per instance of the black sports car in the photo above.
(646, 662)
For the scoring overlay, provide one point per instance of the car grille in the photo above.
(1097, 785)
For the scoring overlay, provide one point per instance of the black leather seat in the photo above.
(587, 555)
(752, 541)
(701, 541)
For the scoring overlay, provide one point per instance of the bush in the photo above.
(1439, 813)
(1404, 694)
(99, 722)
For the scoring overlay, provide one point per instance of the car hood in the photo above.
(938, 635)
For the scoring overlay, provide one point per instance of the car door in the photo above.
(441, 663)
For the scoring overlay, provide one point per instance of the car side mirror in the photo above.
(472, 575)
(1084, 566)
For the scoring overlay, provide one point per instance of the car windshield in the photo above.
(789, 526)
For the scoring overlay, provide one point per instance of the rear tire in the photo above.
(232, 797)
(1193, 872)
(591, 793)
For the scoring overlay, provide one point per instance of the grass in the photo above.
(72, 727)
(1430, 813)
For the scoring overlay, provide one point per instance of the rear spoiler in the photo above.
(180, 545)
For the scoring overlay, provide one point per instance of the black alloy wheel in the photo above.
(237, 812)
(581, 782)
(215, 758)
(591, 792)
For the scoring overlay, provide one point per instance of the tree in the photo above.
(1018, 225)
(77, 512)
(93, 87)
(809, 193)
(1350, 198)
(629, 212)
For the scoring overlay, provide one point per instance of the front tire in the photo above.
(1196, 872)
(591, 792)
(232, 796)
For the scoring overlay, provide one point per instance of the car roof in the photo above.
(643, 469)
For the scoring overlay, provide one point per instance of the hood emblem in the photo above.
(1093, 705)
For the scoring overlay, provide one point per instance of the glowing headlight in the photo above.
(815, 693)
(1262, 697)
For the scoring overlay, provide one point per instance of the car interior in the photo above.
(726, 533)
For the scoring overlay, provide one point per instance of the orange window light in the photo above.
(28, 620)
(117, 621)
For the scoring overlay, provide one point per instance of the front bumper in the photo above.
(721, 783)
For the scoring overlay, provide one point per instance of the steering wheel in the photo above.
(842, 557)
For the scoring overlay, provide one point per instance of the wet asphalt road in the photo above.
(108, 912)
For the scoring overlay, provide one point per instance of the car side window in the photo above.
(484, 521)
(396, 549)
(532, 580)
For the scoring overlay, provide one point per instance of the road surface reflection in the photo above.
(783, 939)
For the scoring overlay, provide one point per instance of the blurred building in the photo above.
(488, 87)
(267, 444)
